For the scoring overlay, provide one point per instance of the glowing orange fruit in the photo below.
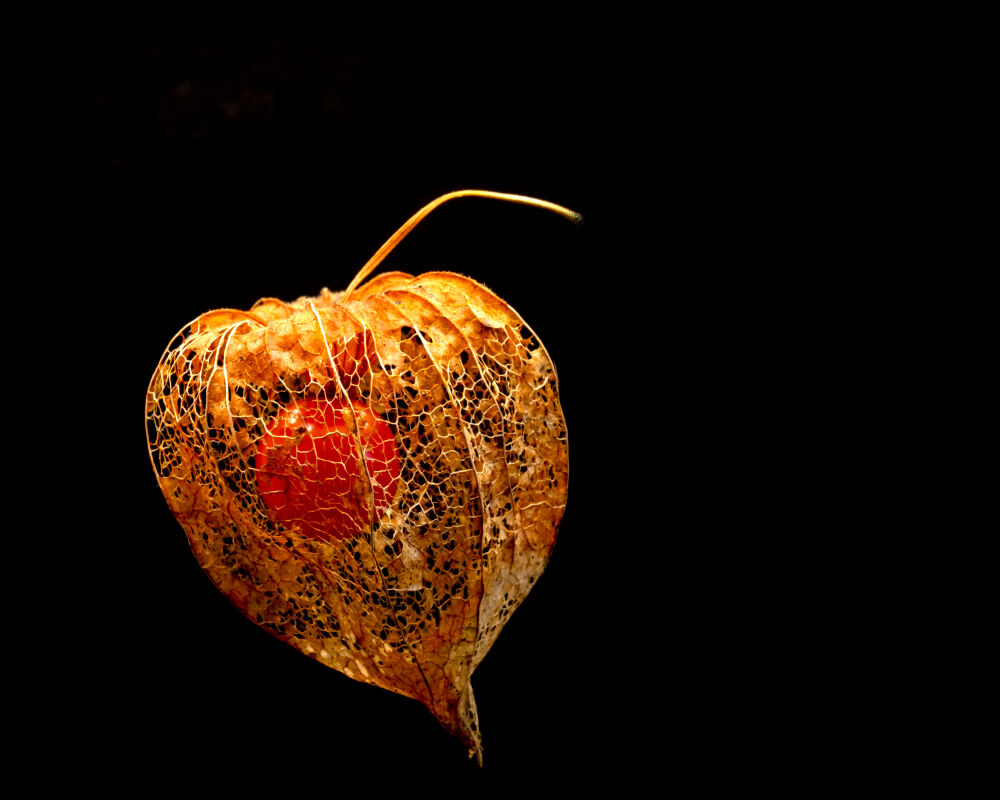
(310, 474)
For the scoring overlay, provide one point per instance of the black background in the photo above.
(177, 178)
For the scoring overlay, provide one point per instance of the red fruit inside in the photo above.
(309, 473)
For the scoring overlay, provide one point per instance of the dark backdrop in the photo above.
(180, 178)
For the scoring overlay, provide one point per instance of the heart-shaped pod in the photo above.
(376, 476)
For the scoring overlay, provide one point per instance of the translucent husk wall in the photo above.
(438, 482)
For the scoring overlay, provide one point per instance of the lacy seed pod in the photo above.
(374, 476)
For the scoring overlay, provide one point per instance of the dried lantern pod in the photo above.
(374, 476)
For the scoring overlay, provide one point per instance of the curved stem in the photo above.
(411, 223)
